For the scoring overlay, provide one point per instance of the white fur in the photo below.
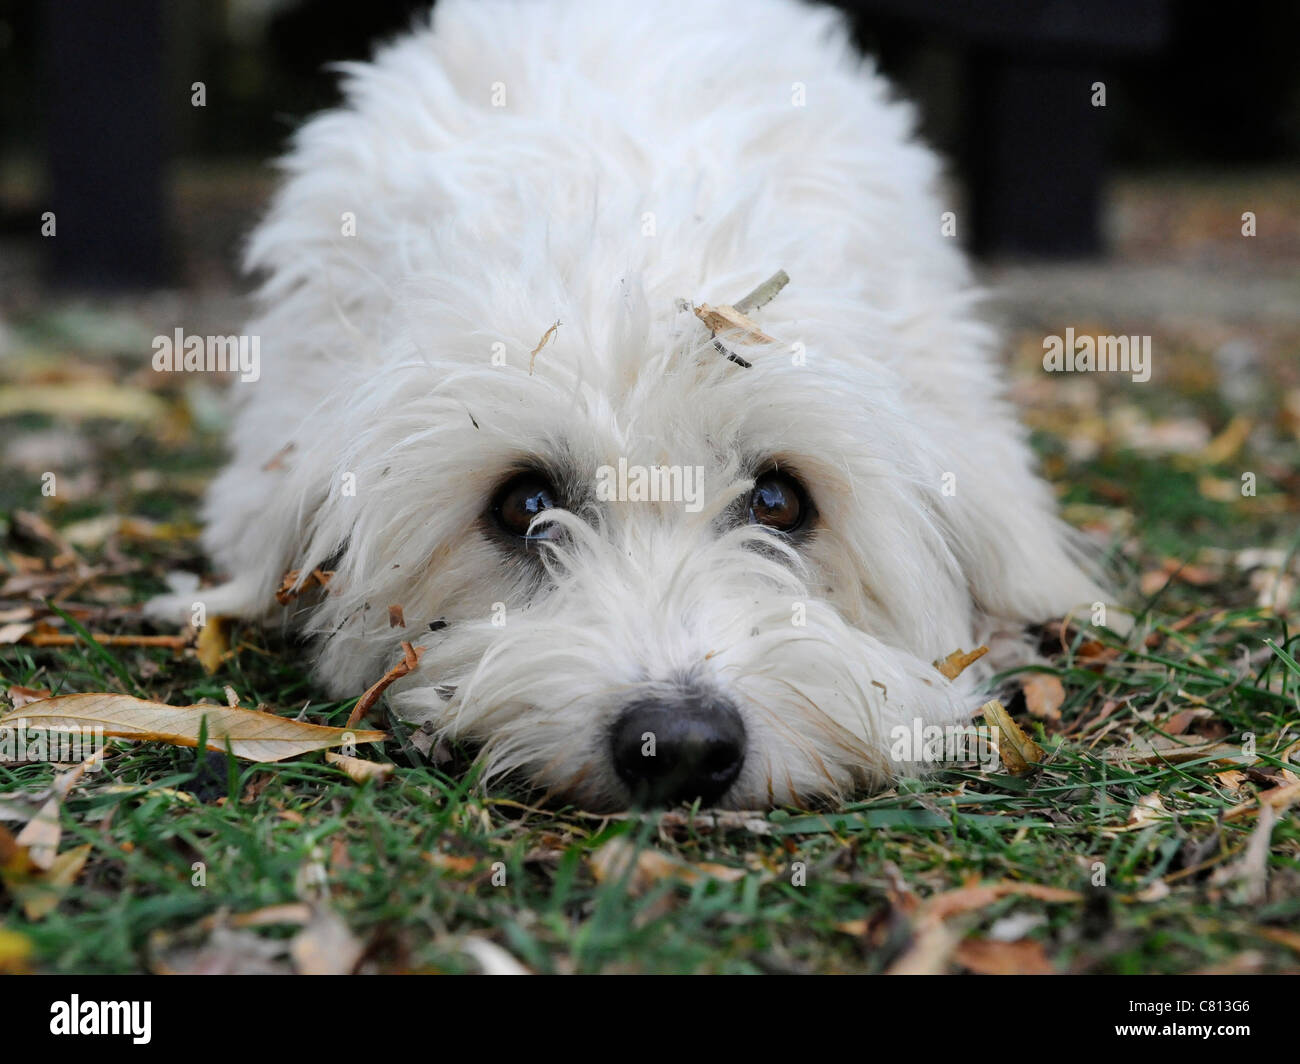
(479, 224)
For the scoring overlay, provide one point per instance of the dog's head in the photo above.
(639, 560)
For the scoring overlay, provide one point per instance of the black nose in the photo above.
(679, 748)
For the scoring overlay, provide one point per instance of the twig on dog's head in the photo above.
(546, 337)
(734, 317)
(764, 293)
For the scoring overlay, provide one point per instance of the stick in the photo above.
(367, 701)
(764, 293)
(58, 639)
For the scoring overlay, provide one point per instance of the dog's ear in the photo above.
(1022, 563)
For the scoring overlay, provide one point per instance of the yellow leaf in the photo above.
(957, 662)
(252, 735)
(213, 643)
(1228, 442)
(359, 770)
(1017, 750)
(40, 893)
(77, 401)
(15, 949)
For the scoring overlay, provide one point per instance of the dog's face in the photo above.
(650, 576)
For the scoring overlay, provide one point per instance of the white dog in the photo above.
(647, 553)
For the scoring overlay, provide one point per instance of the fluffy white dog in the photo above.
(650, 549)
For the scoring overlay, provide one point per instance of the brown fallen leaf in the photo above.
(727, 319)
(1017, 750)
(644, 868)
(1290, 939)
(252, 735)
(1147, 753)
(213, 643)
(360, 770)
(1277, 799)
(980, 895)
(396, 618)
(1044, 695)
(22, 696)
(290, 589)
(958, 661)
(410, 659)
(987, 957)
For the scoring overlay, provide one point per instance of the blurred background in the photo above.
(1103, 157)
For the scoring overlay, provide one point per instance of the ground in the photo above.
(1149, 839)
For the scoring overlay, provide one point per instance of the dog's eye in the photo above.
(778, 501)
(521, 499)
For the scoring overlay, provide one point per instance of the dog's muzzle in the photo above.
(676, 749)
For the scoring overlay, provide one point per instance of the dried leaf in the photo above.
(396, 618)
(644, 868)
(1017, 750)
(77, 401)
(410, 659)
(290, 589)
(253, 735)
(15, 951)
(213, 643)
(39, 893)
(1044, 695)
(1145, 753)
(546, 338)
(726, 319)
(360, 770)
(958, 661)
(22, 696)
(987, 957)
(981, 895)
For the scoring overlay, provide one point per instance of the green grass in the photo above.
(410, 865)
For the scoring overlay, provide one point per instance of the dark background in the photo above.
(95, 111)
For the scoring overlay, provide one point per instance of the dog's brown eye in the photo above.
(778, 502)
(521, 499)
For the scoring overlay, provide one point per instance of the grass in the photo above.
(418, 866)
